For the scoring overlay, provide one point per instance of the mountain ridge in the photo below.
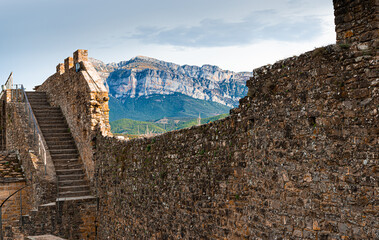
(143, 76)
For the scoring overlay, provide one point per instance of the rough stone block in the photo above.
(80, 55)
(68, 64)
(60, 68)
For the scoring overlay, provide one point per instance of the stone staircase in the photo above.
(72, 182)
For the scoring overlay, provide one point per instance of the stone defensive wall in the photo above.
(19, 136)
(297, 159)
(78, 90)
(11, 180)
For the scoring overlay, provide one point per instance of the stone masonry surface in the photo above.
(297, 160)
(84, 101)
(357, 23)
(10, 168)
(43, 186)
(71, 218)
(11, 180)
(12, 208)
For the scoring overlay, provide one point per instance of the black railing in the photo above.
(1, 209)
(32, 123)
(18, 94)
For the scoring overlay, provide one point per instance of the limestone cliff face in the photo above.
(143, 76)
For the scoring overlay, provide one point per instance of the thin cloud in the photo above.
(262, 25)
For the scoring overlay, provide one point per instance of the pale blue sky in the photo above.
(237, 35)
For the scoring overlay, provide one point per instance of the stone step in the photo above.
(34, 93)
(55, 130)
(73, 188)
(64, 156)
(69, 170)
(47, 123)
(70, 177)
(53, 126)
(72, 182)
(43, 109)
(44, 102)
(66, 166)
(34, 100)
(44, 237)
(47, 115)
(88, 198)
(50, 119)
(74, 194)
(54, 136)
(37, 98)
(63, 151)
(62, 162)
(53, 123)
(54, 143)
(61, 145)
(64, 172)
(39, 102)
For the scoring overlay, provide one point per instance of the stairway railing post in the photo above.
(22, 224)
(1, 223)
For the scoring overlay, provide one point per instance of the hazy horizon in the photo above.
(238, 36)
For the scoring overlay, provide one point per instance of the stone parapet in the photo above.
(60, 68)
(68, 64)
(80, 55)
(70, 219)
(20, 137)
(297, 160)
(83, 99)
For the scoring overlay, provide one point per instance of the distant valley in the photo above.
(147, 89)
(133, 127)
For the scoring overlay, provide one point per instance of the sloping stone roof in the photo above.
(10, 168)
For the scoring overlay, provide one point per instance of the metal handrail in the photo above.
(1, 220)
(32, 122)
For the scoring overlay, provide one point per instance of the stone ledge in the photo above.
(12, 180)
(75, 198)
(44, 237)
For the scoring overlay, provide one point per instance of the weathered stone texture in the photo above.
(357, 23)
(84, 101)
(10, 168)
(73, 219)
(297, 159)
(16, 205)
(19, 137)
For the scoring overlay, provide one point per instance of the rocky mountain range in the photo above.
(143, 76)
